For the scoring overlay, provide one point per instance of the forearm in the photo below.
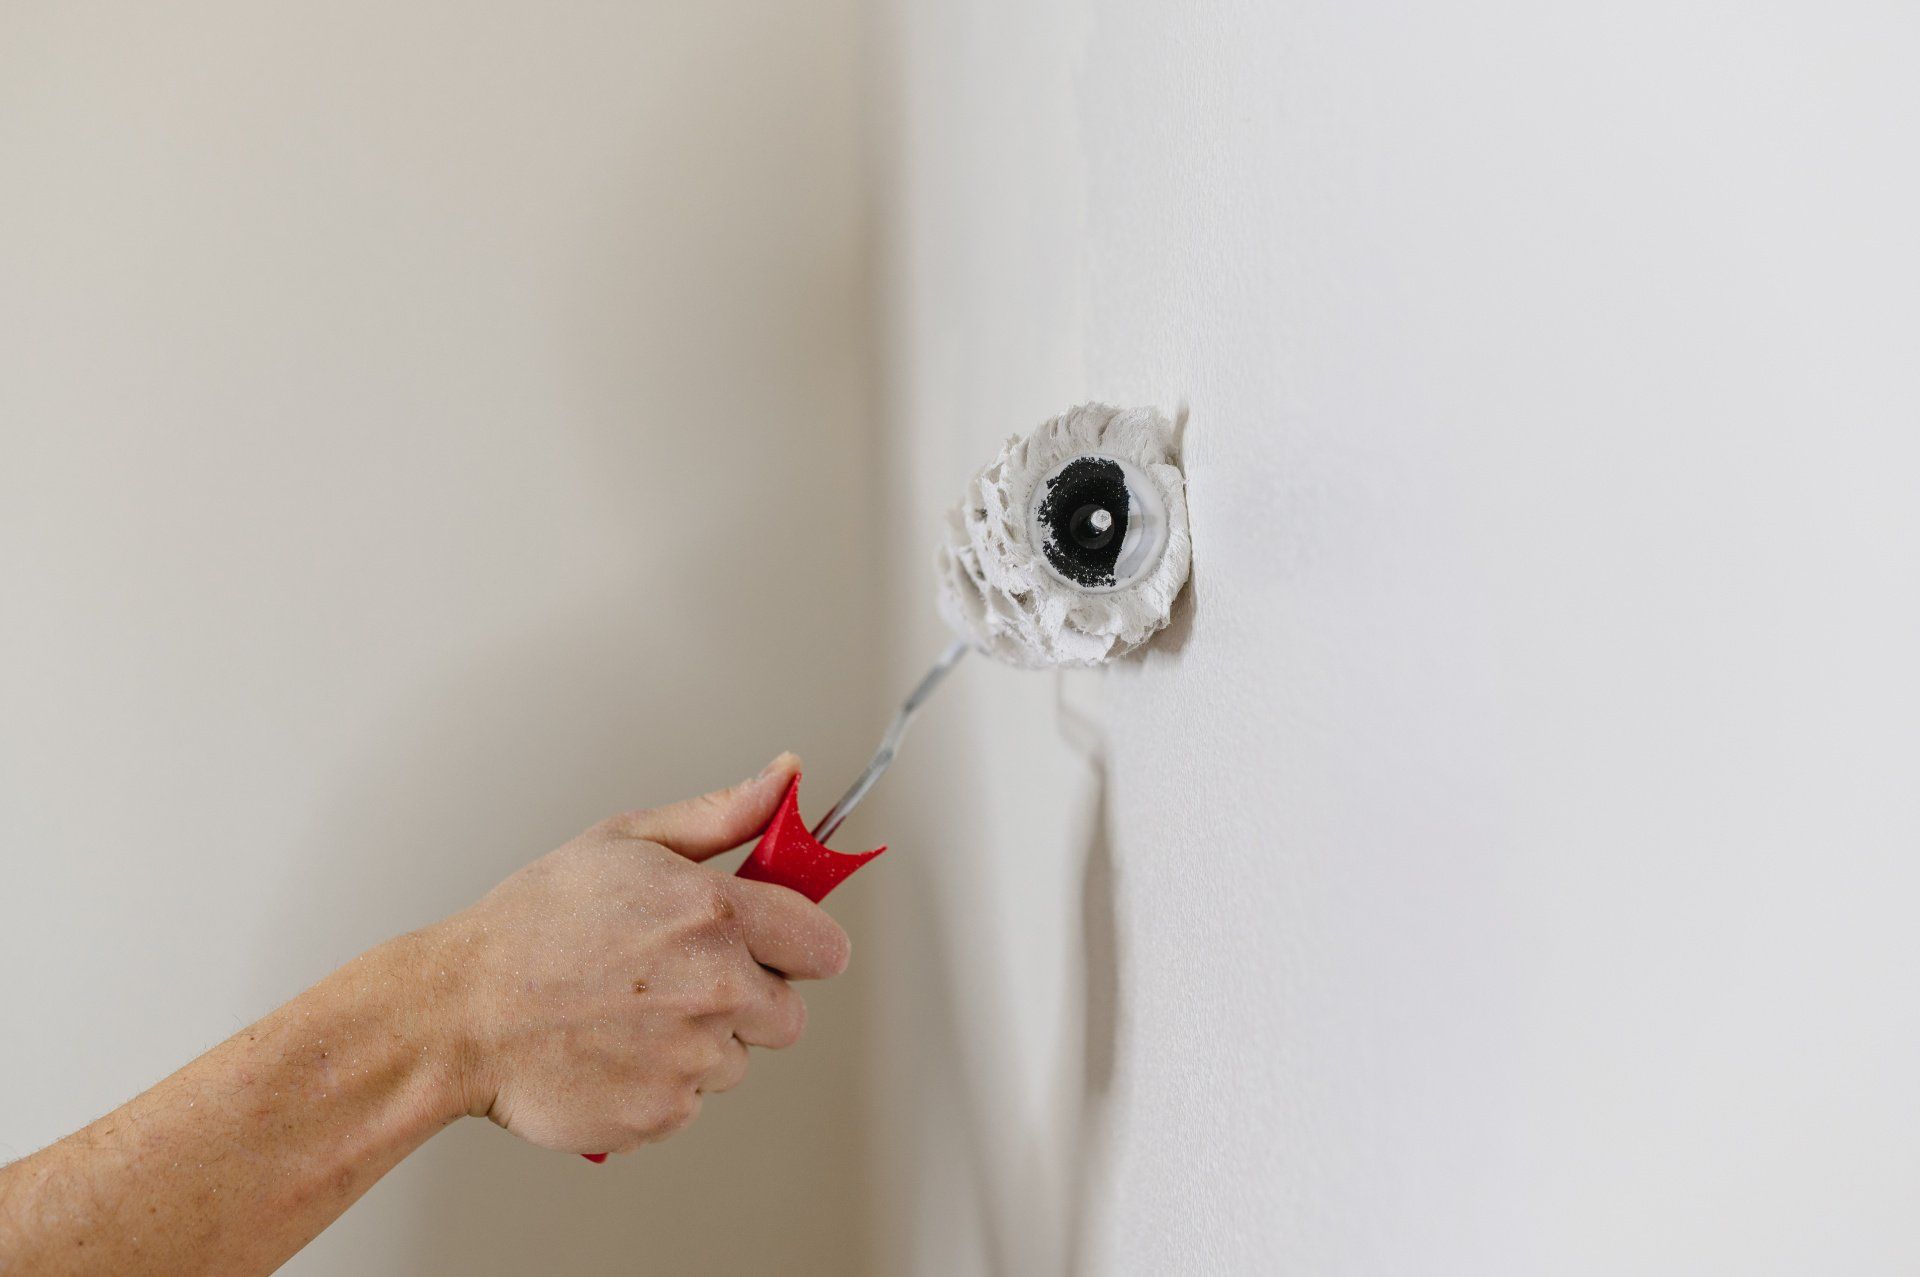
(243, 1156)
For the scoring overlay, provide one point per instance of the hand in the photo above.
(608, 986)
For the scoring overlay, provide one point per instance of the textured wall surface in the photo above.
(1508, 861)
(405, 415)
(1505, 864)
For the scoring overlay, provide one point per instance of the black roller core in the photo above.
(1083, 520)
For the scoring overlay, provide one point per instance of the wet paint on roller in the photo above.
(1070, 546)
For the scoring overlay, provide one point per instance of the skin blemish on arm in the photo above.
(639, 986)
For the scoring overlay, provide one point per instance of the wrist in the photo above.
(425, 999)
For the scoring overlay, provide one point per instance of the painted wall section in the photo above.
(405, 410)
(1507, 864)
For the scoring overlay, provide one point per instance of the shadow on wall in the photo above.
(1020, 1178)
(1100, 1042)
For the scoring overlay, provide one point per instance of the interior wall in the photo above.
(1505, 863)
(405, 413)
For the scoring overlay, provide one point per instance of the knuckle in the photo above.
(685, 1108)
(664, 1114)
(728, 1077)
(707, 907)
(793, 1022)
(622, 825)
(701, 1062)
(729, 991)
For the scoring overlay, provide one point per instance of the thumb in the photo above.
(720, 821)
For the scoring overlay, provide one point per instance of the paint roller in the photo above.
(1067, 549)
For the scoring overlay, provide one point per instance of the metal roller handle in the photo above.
(890, 743)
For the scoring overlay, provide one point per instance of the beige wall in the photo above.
(423, 429)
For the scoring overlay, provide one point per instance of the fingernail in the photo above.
(775, 765)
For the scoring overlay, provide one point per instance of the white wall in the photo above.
(1504, 865)
(406, 412)
(1508, 862)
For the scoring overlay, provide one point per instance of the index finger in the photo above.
(786, 931)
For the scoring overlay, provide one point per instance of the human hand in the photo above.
(604, 989)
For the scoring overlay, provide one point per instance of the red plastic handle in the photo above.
(787, 855)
